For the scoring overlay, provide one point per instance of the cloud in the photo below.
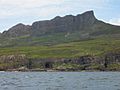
(16, 7)
(29, 3)
(115, 21)
(32, 10)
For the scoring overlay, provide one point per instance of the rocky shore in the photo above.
(108, 62)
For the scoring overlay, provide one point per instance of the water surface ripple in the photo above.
(59, 80)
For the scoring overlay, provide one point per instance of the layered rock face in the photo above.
(67, 23)
(86, 22)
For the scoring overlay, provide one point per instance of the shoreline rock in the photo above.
(109, 62)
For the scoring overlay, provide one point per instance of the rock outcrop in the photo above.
(68, 23)
(83, 63)
(18, 30)
(69, 28)
(110, 61)
(86, 22)
(12, 61)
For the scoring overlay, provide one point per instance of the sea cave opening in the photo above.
(48, 65)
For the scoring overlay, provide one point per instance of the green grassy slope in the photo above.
(95, 47)
(57, 38)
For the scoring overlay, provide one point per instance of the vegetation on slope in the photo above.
(93, 47)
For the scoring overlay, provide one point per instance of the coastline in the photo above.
(56, 70)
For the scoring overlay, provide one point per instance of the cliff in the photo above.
(110, 62)
(68, 28)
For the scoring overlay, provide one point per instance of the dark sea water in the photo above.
(59, 80)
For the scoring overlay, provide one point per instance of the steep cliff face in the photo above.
(86, 22)
(68, 23)
(68, 28)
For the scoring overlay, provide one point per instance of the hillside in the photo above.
(80, 42)
(58, 30)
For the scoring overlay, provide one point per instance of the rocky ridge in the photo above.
(86, 22)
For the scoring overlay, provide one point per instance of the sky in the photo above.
(13, 12)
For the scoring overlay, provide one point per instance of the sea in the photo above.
(59, 80)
